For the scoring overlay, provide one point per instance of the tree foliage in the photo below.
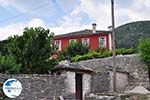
(101, 54)
(8, 65)
(144, 50)
(128, 35)
(76, 48)
(32, 50)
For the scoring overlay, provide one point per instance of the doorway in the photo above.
(79, 87)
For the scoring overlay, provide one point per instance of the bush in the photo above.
(124, 51)
(91, 55)
(8, 65)
(107, 54)
(102, 49)
(101, 54)
(144, 50)
(76, 48)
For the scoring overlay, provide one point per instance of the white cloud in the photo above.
(137, 11)
(36, 23)
(97, 10)
(146, 3)
(4, 3)
(69, 24)
(17, 28)
(76, 11)
(11, 30)
(67, 29)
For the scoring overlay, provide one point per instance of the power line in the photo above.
(21, 14)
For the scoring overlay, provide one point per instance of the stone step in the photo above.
(100, 97)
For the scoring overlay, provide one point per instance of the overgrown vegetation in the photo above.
(78, 52)
(76, 48)
(144, 50)
(102, 54)
(8, 65)
(30, 53)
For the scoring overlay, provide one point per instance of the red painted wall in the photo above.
(93, 40)
(64, 43)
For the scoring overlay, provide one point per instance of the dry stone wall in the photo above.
(39, 87)
(127, 63)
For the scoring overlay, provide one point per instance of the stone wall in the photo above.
(127, 63)
(134, 97)
(86, 84)
(118, 97)
(49, 87)
(101, 97)
(39, 87)
(100, 82)
(70, 85)
(122, 80)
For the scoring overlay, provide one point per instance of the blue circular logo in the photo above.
(12, 88)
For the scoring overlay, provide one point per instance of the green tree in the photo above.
(8, 65)
(144, 50)
(33, 50)
(76, 48)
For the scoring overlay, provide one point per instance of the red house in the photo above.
(93, 38)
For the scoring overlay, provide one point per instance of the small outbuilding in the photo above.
(78, 79)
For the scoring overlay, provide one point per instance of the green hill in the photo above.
(128, 35)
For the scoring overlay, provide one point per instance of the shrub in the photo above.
(102, 49)
(101, 54)
(107, 54)
(91, 55)
(8, 65)
(76, 48)
(144, 50)
(124, 51)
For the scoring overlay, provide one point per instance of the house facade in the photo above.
(93, 38)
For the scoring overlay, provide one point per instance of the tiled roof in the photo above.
(81, 33)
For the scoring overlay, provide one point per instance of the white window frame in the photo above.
(70, 40)
(59, 47)
(84, 40)
(104, 43)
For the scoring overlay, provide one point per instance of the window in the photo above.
(102, 42)
(58, 44)
(72, 40)
(85, 41)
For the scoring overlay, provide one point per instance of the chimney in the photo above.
(94, 27)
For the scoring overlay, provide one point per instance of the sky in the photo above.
(64, 16)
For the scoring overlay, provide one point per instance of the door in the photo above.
(78, 86)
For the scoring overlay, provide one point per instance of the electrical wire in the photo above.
(21, 14)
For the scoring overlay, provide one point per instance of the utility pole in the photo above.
(113, 45)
